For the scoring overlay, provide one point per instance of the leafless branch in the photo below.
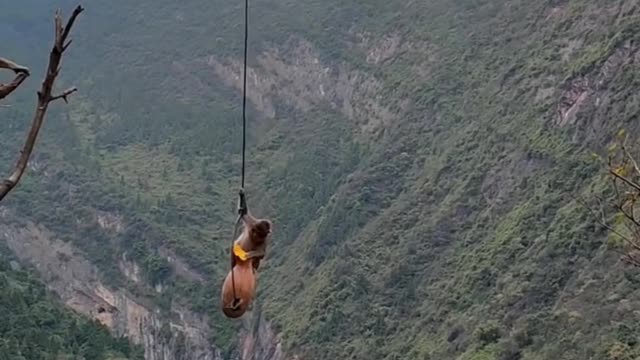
(8, 64)
(21, 74)
(623, 174)
(628, 216)
(633, 240)
(44, 98)
(625, 180)
(600, 217)
(64, 95)
(628, 155)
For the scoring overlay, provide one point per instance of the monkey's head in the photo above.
(261, 230)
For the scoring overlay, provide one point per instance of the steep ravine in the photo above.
(80, 285)
(69, 274)
(419, 176)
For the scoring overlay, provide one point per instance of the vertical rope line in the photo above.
(244, 131)
(244, 89)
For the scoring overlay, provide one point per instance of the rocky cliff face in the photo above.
(259, 341)
(182, 334)
(295, 76)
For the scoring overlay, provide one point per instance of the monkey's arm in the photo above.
(248, 220)
(254, 255)
(8, 64)
(258, 253)
(238, 252)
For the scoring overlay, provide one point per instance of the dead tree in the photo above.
(616, 208)
(45, 96)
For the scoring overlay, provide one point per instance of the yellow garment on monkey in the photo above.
(240, 253)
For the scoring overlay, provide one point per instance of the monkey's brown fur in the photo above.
(245, 280)
(253, 240)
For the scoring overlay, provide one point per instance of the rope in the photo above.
(242, 205)
(233, 277)
(244, 88)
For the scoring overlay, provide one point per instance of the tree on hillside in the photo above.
(616, 209)
(45, 94)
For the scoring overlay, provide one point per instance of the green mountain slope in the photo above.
(418, 160)
(34, 327)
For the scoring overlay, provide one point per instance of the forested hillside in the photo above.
(33, 327)
(418, 159)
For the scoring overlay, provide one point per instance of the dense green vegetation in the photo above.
(34, 327)
(449, 234)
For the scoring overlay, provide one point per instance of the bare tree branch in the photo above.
(64, 95)
(8, 64)
(601, 219)
(627, 215)
(623, 173)
(630, 157)
(21, 74)
(625, 180)
(44, 98)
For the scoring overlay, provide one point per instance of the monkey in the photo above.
(248, 250)
(8, 64)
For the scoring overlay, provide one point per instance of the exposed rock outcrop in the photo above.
(296, 76)
(181, 335)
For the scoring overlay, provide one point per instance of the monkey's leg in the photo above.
(235, 304)
(255, 254)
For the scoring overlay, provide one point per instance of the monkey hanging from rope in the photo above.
(248, 249)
